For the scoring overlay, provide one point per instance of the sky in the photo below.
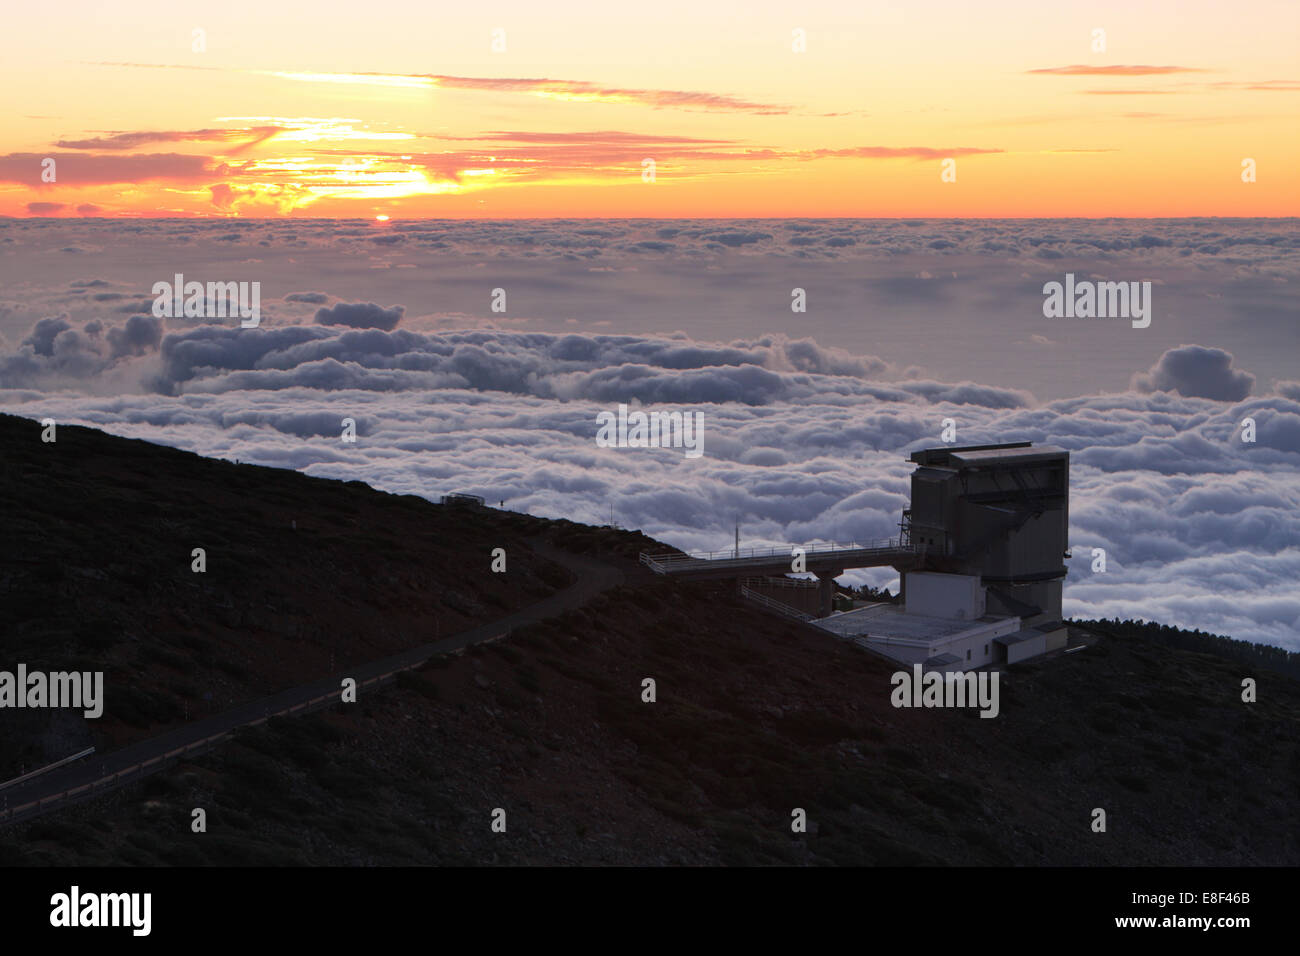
(414, 110)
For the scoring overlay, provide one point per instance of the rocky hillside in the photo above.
(303, 577)
(754, 716)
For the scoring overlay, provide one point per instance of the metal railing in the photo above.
(771, 605)
(801, 584)
(136, 771)
(46, 769)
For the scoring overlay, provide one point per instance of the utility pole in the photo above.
(737, 537)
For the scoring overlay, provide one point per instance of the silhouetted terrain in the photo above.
(755, 715)
(303, 577)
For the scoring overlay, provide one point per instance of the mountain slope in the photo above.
(754, 716)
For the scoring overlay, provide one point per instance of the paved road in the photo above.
(103, 772)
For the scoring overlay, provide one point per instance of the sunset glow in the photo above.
(240, 111)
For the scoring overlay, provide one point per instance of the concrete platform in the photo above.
(939, 643)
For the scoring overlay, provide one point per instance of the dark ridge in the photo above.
(1263, 656)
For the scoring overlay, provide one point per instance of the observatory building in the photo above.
(988, 526)
(1001, 512)
(980, 555)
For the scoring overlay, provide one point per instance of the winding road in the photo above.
(104, 772)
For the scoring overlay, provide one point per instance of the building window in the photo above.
(986, 650)
(968, 653)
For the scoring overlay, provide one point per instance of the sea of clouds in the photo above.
(804, 442)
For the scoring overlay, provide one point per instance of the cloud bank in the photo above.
(1198, 373)
(361, 315)
(802, 443)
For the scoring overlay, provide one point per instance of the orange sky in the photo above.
(406, 110)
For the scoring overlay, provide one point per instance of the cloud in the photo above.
(1197, 372)
(88, 209)
(247, 136)
(1200, 528)
(41, 338)
(1128, 92)
(896, 152)
(361, 315)
(736, 237)
(312, 298)
(78, 169)
(603, 137)
(223, 195)
(54, 354)
(1080, 69)
(275, 199)
(44, 208)
(612, 368)
(140, 334)
(571, 90)
(615, 157)
(1265, 86)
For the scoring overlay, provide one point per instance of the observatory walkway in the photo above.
(753, 562)
(827, 562)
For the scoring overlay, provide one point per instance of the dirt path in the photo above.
(101, 773)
